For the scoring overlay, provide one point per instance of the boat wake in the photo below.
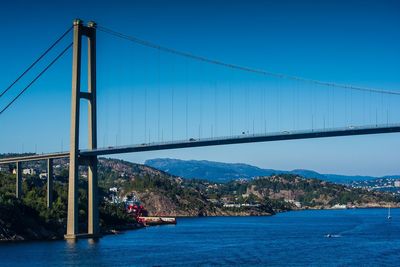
(332, 236)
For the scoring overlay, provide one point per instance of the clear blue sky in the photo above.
(349, 42)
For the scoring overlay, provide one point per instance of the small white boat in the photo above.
(332, 236)
(389, 216)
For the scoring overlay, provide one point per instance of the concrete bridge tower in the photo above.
(75, 159)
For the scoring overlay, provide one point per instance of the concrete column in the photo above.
(72, 216)
(49, 182)
(93, 210)
(93, 205)
(18, 190)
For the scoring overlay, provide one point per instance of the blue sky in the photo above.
(349, 42)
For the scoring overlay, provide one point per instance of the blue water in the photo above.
(361, 237)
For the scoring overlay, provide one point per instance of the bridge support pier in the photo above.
(49, 182)
(75, 158)
(18, 189)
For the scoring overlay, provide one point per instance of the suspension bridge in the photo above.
(190, 101)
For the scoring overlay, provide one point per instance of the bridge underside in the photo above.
(214, 142)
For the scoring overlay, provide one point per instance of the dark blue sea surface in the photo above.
(359, 237)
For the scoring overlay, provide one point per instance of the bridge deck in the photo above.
(286, 135)
(57, 155)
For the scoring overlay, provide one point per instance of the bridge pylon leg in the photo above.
(93, 209)
(72, 215)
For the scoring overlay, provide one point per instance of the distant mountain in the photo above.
(225, 172)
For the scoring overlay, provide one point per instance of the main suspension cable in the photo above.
(37, 77)
(36, 61)
(238, 67)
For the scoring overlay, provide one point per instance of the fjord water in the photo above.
(359, 237)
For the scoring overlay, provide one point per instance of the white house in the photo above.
(29, 171)
(113, 189)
